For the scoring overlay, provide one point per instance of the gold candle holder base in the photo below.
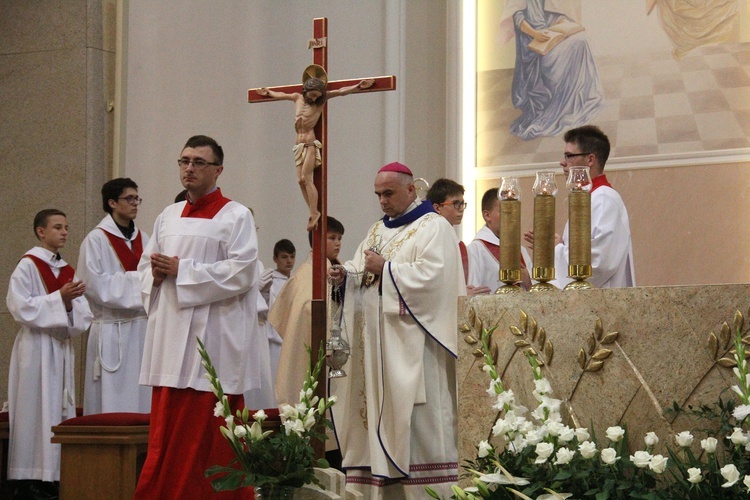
(580, 274)
(508, 288)
(510, 277)
(543, 286)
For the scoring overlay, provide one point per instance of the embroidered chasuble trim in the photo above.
(382, 481)
(52, 283)
(599, 181)
(422, 209)
(128, 257)
(205, 207)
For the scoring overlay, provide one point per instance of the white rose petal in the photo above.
(587, 449)
(738, 437)
(615, 433)
(658, 464)
(484, 449)
(709, 444)
(731, 474)
(641, 459)
(566, 434)
(651, 439)
(746, 482)
(543, 451)
(684, 439)
(609, 456)
(741, 412)
(582, 434)
(564, 456)
(694, 475)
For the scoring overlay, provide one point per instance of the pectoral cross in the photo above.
(319, 45)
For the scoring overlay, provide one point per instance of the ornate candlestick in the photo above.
(579, 234)
(337, 347)
(545, 189)
(510, 235)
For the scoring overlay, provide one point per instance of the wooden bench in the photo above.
(102, 455)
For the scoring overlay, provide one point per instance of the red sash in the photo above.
(52, 283)
(599, 181)
(495, 251)
(205, 207)
(128, 258)
(464, 260)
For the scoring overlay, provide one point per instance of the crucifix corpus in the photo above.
(310, 154)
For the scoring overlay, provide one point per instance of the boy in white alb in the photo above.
(107, 264)
(45, 297)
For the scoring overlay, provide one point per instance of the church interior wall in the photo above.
(56, 79)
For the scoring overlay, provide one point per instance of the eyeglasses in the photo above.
(457, 204)
(133, 200)
(568, 156)
(197, 163)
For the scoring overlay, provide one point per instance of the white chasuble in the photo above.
(118, 332)
(212, 298)
(395, 418)
(41, 386)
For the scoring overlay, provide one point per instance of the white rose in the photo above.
(641, 459)
(543, 451)
(738, 437)
(694, 475)
(651, 439)
(240, 431)
(566, 434)
(615, 433)
(731, 474)
(587, 449)
(564, 456)
(582, 434)
(260, 416)
(484, 449)
(709, 444)
(741, 412)
(746, 482)
(500, 427)
(684, 439)
(554, 428)
(609, 456)
(658, 463)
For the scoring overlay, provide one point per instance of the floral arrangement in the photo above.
(263, 458)
(536, 455)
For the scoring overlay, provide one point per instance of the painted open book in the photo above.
(556, 33)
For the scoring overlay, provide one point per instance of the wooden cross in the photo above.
(319, 44)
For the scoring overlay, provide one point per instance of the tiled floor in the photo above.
(655, 105)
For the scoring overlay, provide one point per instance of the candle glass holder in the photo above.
(579, 233)
(543, 270)
(510, 235)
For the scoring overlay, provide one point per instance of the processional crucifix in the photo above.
(308, 150)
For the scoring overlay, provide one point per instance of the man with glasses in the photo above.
(484, 250)
(107, 264)
(197, 274)
(611, 246)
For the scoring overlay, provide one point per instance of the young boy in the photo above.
(45, 297)
(291, 316)
(107, 264)
(284, 256)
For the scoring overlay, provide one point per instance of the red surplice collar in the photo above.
(599, 181)
(205, 207)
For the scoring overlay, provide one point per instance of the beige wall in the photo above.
(56, 76)
(688, 223)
